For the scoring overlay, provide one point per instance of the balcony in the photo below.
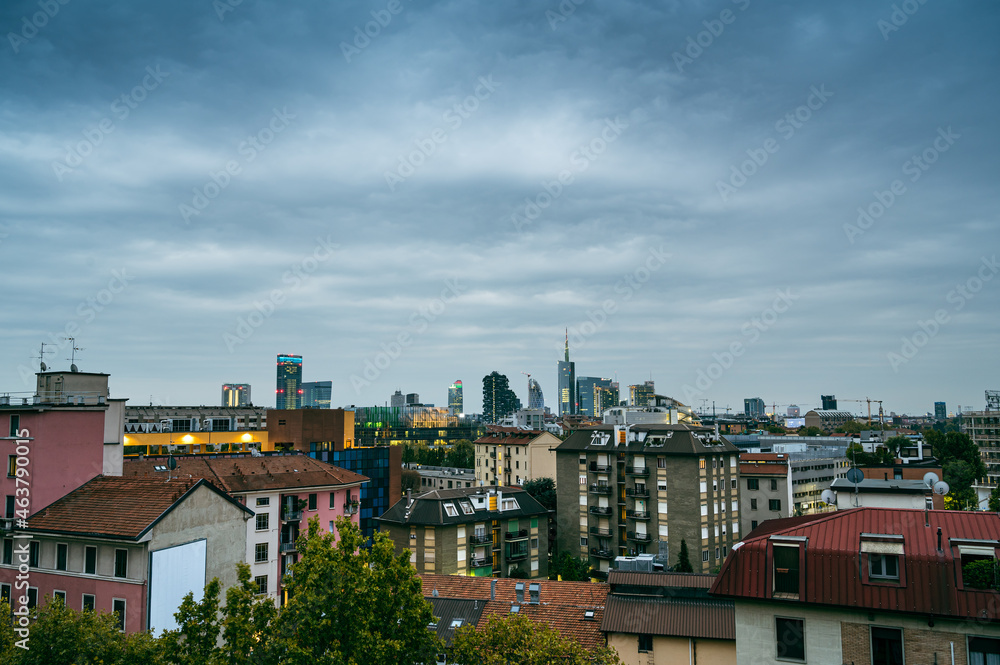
(601, 553)
(637, 491)
(516, 535)
(480, 539)
(640, 537)
(599, 468)
(599, 574)
(597, 531)
(600, 488)
(637, 514)
(601, 510)
(287, 547)
(291, 515)
(517, 556)
(636, 471)
(351, 508)
(480, 562)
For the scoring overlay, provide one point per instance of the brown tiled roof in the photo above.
(117, 507)
(704, 618)
(244, 473)
(763, 470)
(567, 620)
(660, 579)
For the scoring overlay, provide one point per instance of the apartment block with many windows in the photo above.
(512, 456)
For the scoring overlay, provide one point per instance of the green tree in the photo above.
(461, 455)
(850, 427)
(409, 479)
(7, 636)
(981, 574)
(247, 622)
(683, 564)
(960, 476)
(543, 490)
(957, 446)
(570, 568)
(350, 604)
(516, 640)
(894, 444)
(809, 431)
(195, 640)
(995, 500)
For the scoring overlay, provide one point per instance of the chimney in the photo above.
(493, 588)
(939, 539)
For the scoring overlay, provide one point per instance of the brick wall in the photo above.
(919, 646)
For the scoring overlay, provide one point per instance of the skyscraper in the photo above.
(829, 402)
(640, 395)
(317, 394)
(397, 399)
(940, 411)
(568, 403)
(606, 397)
(236, 394)
(535, 398)
(499, 401)
(586, 390)
(753, 407)
(455, 403)
(288, 393)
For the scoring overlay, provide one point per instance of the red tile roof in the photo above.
(244, 473)
(702, 618)
(763, 469)
(833, 573)
(116, 507)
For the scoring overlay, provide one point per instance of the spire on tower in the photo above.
(567, 344)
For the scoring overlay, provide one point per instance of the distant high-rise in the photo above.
(455, 399)
(236, 394)
(640, 395)
(397, 399)
(753, 407)
(412, 399)
(499, 401)
(606, 397)
(535, 398)
(940, 411)
(792, 411)
(317, 394)
(288, 394)
(568, 402)
(829, 402)
(586, 390)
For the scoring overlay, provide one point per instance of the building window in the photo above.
(753, 484)
(261, 582)
(774, 504)
(733, 483)
(716, 553)
(701, 463)
(121, 563)
(32, 597)
(260, 553)
(312, 502)
(786, 569)
(5, 593)
(8, 551)
(88, 602)
(753, 524)
(450, 510)
(263, 501)
(645, 643)
(887, 646)
(118, 607)
(33, 553)
(790, 639)
(90, 560)
(61, 551)
(774, 485)
(61, 595)
(15, 424)
(883, 566)
(534, 543)
(263, 521)
(983, 651)
(753, 504)
(11, 465)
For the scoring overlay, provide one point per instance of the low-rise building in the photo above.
(444, 477)
(471, 531)
(512, 456)
(777, 485)
(879, 493)
(827, 419)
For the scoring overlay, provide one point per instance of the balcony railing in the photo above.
(637, 470)
(600, 468)
(640, 537)
(637, 514)
(480, 563)
(517, 556)
(601, 553)
(600, 488)
(637, 491)
(287, 547)
(600, 510)
(481, 539)
(291, 515)
(351, 508)
(516, 535)
(597, 531)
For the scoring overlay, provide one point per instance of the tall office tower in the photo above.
(792, 411)
(940, 411)
(288, 394)
(829, 402)
(236, 394)
(499, 401)
(317, 394)
(455, 405)
(412, 399)
(397, 399)
(586, 390)
(535, 398)
(753, 407)
(568, 403)
(641, 395)
(605, 397)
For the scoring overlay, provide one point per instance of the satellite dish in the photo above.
(44, 367)
(172, 463)
(828, 497)
(854, 475)
(930, 478)
(74, 368)
(941, 488)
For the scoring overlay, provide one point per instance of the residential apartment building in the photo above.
(471, 531)
(161, 418)
(134, 546)
(512, 456)
(777, 485)
(284, 491)
(869, 585)
(983, 427)
(444, 477)
(644, 489)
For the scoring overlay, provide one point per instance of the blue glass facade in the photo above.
(371, 462)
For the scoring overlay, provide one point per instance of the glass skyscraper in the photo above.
(588, 388)
(288, 394)
(316, 394)
(455, 403)
(568, 402)
(535, 398)
(236, 394)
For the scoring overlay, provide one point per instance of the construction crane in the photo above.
(869, 402)
(528, 403)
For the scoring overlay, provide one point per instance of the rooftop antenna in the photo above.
(73, 349)
(41, 356)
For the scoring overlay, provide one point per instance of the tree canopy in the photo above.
(683, 564)
(569, 568)
(542, 490)
(515, 640)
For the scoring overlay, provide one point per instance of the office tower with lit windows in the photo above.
(236, 394)
(288, 394)
(455, 405)
(587, 388)
(753, 407)
(641, 395)
(605, 397)
(568, 403)
(316, 394)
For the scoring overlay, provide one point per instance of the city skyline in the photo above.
(732, 199)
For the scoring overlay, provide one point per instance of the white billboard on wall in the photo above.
(173, 572)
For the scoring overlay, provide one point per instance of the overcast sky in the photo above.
(191, 188)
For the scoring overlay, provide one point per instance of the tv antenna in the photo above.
(41, 356)
(73, 349)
